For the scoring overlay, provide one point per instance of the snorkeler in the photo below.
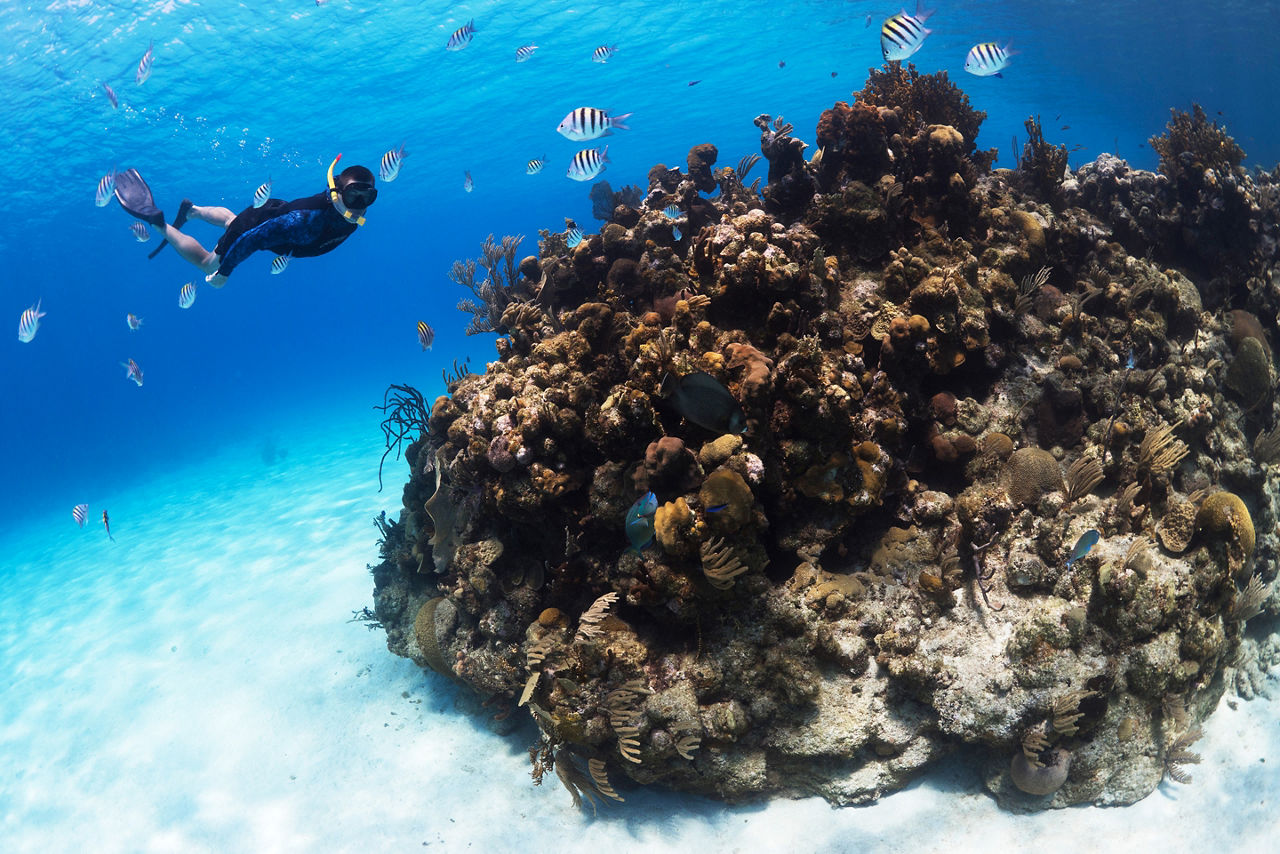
(300, 229)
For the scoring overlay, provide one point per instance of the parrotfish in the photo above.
(640, 521)
(1087, 541)
(702, 399)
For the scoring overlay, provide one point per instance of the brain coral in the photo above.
(1225, 513)
(1030, 473)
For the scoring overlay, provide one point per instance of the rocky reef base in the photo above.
(1008, 476)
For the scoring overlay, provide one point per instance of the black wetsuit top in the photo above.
(301, 228)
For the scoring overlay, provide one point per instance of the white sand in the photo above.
(196, 687)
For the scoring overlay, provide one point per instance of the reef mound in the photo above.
(955, 380)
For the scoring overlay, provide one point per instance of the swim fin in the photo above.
(135, 196)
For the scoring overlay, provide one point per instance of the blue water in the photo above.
(243, 92)
(235, 386)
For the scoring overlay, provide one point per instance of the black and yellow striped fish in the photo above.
(903, 34)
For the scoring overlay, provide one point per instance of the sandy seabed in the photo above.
(197, 686)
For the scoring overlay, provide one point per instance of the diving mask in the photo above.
(356, 194)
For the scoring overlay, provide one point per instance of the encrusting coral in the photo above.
(881, 559)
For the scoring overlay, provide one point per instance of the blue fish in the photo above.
(1087, 541)
(573, 237)
(671, 212)
(675, 233)
(640, 521)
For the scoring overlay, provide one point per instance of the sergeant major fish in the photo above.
(144, 66)
(525, 51)
(389, 168)
(602, 53)
(187, 296)
(461, 37)
(139, 231)
(988, 59)
(261, 194)
(573, 237)
(133, 321)
(29, 322)
(132, 372)
(111, 96)
(588, 163)
(279, 263)
(80, 513)
(467, 184)
(534, 166)
(106, 189)
(586, 123)
(425, 335)
(902, 35)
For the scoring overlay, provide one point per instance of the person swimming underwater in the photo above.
(301, 228)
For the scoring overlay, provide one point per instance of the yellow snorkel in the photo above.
(337, 197)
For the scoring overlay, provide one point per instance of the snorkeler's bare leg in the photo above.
(213, 215)
(191, 250)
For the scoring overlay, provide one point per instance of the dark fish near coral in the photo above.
(1087, 541)
(704, 400)
(640, 521)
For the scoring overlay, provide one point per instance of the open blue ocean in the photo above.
(196, 684)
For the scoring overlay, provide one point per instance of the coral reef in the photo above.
(1006, 479)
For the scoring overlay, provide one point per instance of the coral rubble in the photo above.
(948, 376)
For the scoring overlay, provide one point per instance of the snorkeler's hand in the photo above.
(216, 280)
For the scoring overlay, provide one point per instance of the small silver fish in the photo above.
(187, 296)
(106, 521)
(533, 167)
(279, 263)
(80, 513)
(133, 321)
(671, 212)
(588, 163)
(467, 184)
(261, 194)
(132, 372)
(586, 123)
(573, 237)
(602, 53)
(525, 51)
(144, 66)
(29, 322)
(425, 335)
(461, 37)
(390, 166)
(140, 231)
(902, 35)
(111, 96)
(106, 189)
(988, 59)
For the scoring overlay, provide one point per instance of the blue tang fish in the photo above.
(640, 521)
(1087, 541)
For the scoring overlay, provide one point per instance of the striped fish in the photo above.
(671, 212)
(461, 37)
(133, 321)
(588, 163)
(903, 34)
(132, 372)
(988, 59)
(261, 194)
(144, 66)
(140, 231)
(602, 53)
(389, 168)
(425, 335)
(187, 296)
(467, 184)
(111, 96)
(587, 123)
(573, 237)
(80, 513)
(533, 167)
(525, 51)
(29, 322)
(279, 263)
(106, 189)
